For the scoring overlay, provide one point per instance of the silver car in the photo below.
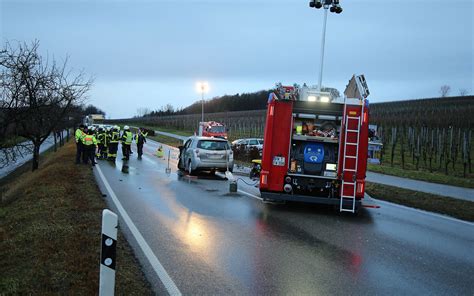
(205, 154)
(249, 143)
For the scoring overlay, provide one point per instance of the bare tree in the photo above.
(143, 111)
(41, 93)
(463, 92)
(444, 90)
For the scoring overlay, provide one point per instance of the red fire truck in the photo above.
(212, 129)
(315, 148)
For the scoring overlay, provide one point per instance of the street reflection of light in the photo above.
(195, 234)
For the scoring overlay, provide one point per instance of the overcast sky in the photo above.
(151, 53)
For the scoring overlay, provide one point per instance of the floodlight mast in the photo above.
(333, 6)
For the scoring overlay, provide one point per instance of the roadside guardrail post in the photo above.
(108, 253)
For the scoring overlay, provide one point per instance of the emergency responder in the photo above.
(112, 143)
(89, 141)
(100, 142)
(106, 134)
(79, 134)
(127, 138)
(140, 139)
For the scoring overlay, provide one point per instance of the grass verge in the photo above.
(422, 175)
(457, 208)
(163, 139)
(185, 133)
(167, 140)
(50, 232)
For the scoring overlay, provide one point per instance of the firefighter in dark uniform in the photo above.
(101, 143)
(140, 138)
(112, 144)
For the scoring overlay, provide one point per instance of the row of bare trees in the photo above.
(38, 98)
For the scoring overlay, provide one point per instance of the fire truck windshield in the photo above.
(217, 129)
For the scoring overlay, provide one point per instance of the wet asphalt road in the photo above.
(213, 242)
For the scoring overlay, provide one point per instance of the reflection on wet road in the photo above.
(213, 242)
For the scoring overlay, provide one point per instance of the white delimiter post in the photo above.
(108, 253)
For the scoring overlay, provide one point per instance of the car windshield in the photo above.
(217, 129)
(212, 145)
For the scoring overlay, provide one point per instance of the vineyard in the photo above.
(241, 124)
(432, 135)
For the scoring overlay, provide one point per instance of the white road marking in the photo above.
(154, 262)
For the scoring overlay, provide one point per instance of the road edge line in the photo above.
(152, 259)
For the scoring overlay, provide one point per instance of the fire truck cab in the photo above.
(315, 148)
(212, 129)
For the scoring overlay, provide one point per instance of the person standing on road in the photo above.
(79, 134)
(89, 141)
(140, 138)
(101, 143)
(127, 138)
(112, 143)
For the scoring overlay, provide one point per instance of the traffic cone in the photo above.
(160, 152)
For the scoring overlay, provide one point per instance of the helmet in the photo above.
(126, 127)
(108, 128)
(116, 127)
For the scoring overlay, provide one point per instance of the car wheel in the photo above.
(190, 168)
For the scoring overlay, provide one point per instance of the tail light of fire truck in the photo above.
(360, 187)
(263, 179)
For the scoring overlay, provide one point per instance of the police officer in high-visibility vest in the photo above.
(140, 138)
(112, 143)
(127, 138)
(89, 141)
(79, 134)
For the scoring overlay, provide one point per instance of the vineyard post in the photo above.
(393, 143)
(464, 154)
(469, 151)
(402, 150)
(418, 152)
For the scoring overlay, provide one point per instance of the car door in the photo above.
(252, 143)
(184, 153)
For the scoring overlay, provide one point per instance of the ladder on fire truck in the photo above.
(360, 90)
